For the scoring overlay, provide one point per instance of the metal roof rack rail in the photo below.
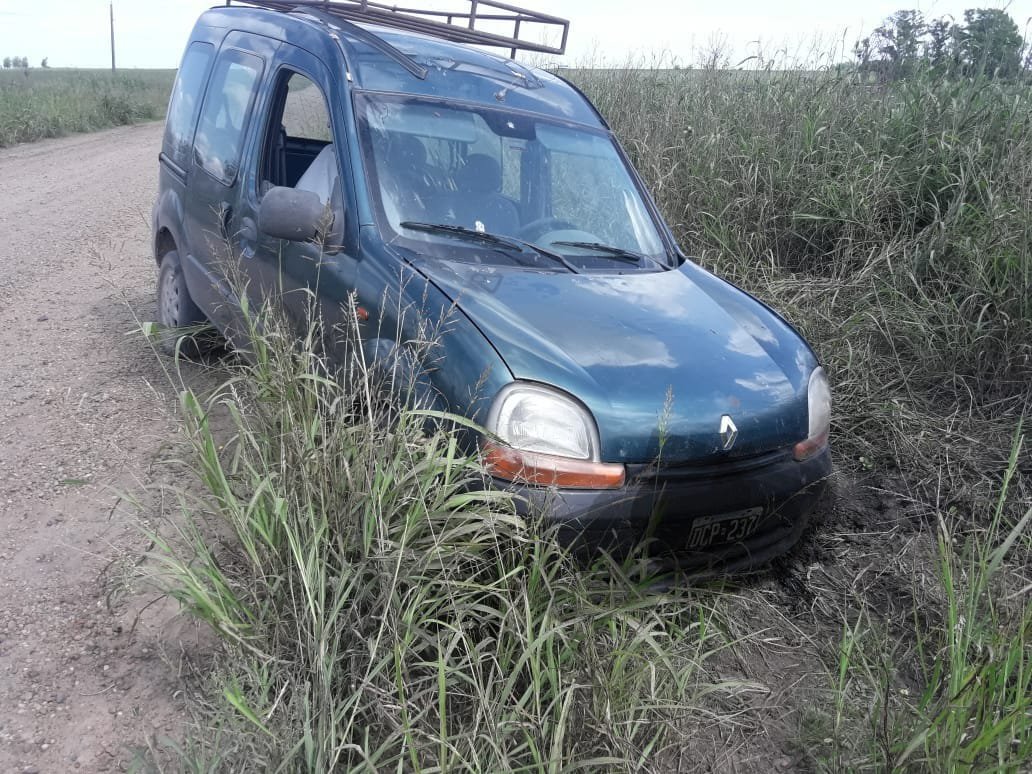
(335, 22)
(459, 26)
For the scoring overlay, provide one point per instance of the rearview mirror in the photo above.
(289, 213)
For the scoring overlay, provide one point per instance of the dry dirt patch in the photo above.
(84, 415)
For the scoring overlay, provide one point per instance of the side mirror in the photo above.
(289, 213)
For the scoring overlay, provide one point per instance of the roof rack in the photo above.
(459, 26)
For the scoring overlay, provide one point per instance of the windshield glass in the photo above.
(565, 189)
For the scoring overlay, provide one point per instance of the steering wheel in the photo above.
(536, 228)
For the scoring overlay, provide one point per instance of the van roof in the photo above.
(452, 70)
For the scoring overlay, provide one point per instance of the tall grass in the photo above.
(35, 104)
(892, 223)
(976, 710)
(967, 706)
(382, 610)
(379, 610)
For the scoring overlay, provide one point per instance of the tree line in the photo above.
(22, 62)
(985, 42)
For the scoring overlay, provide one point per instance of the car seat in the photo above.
(404, 178)
(321, 175)
(478, 197)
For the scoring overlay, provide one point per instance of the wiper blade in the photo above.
(469, 233)
(547, 253)
(487, 237)
(618, 253)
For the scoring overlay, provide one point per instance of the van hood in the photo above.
(658, 357)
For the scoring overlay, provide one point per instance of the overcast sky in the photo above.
(151, 33)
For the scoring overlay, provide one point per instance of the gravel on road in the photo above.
(85, 417)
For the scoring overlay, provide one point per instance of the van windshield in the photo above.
(506, 174)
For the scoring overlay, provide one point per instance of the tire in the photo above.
(178, 315)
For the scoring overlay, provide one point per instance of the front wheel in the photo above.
(177, 311)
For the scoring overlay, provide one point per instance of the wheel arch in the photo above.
(164, 243)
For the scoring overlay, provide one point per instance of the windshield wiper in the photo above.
(469, 233)
(611, 251)
(487, 237)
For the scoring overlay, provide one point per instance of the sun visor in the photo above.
(423, 120)
(580, 143)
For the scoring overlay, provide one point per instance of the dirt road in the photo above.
(84, 414)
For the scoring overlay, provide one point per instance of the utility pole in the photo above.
(111, 6)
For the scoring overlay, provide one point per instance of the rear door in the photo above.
(215, 176)
(177, 146)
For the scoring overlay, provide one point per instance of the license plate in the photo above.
(724, 527)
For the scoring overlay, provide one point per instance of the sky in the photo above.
(152, 33)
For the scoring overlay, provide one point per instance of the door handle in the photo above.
(248, 235)
(227, 218)
(248, 230)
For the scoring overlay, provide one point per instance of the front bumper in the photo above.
(657, 508)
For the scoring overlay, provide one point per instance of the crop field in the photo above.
(376, 615)
(37, 103)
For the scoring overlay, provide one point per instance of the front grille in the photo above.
(687, 471)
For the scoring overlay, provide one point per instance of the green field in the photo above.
(37, 103)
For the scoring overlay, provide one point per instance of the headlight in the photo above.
(818, 398)
(548, 438)
(532, 418)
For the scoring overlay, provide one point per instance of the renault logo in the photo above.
(728, 432)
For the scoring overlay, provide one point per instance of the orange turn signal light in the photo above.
(806, 449)
(549, 470)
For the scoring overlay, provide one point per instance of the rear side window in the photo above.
(186, 97)
(227, 106)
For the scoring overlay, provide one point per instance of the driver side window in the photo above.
(298, 151)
